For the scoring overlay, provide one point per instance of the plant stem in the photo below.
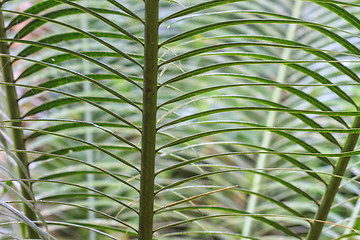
(148, 146)
(89, 134)
(270, 121)
(17, 134)
(353, 218)
(333, 186)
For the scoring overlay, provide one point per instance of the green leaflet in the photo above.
(313, 101)
(56, 59)
(63, 37)
(42, 6)
(84, 77)
(83, 100)
(257, 127)
(71, 125)
(286, 110)
(236, 213)
(33, 25)
(290, 44)
(89, 189)
(65, 101)
(69, 80)
(46, 156)
(341, 12)
(81, 148)
(172, 116)
(78, 195)
(278, 203)
(71, 55)
(84, 142)
(292, 64)
(211, 233)
(37, 8)
(24, 218)
(92, 227)
(88, 209)
(190, 179)
(200, 7)
(125, 9)
(210, 27)
(108, 45)
(300, 114)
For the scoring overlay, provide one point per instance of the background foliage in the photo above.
(256, 105)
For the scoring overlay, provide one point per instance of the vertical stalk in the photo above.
(270, 121)
(89, 137)
(17, 134)
(333, 186)
(148, 146)
(353, 218)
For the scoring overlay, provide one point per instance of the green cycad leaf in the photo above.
(78, 124)
(93, 228)
(125, 9)
(69, 80)
(37, 8)
(290, 44)
(298, 67)
(56, 59)
(145, 126)
(84, 77)
(268, 60)
(65, 101)
(58, 38)
(297, 113)
(81, 148)
(313, 101)
(278, 203)
(45, 19)
(95, 146)
(89, 189)
(318, 27)
(200, 7)
(341, 12)
(42, 6)
(86, 101)
(71, 11)
(88, 209)
(279, 131)
(210, 233)
(287, 184)
(236, 213)
(24, 219)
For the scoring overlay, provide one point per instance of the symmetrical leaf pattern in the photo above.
(153, 119)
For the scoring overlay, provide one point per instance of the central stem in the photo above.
(148, 146)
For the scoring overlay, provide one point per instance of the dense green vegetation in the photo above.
(221, 119)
